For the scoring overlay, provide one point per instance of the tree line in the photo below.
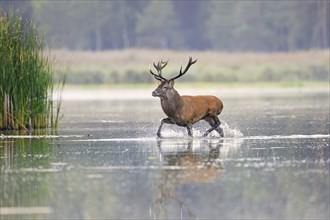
(181, 25)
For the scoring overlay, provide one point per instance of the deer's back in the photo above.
(196, 108)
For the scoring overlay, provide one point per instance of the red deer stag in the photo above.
(185, 110)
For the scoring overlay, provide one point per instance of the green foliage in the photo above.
(26, 77)
(34, 153)
(160, 28)
(269, 25)
(131, 66)
(197, 25)
(211, 74)
(88, 24)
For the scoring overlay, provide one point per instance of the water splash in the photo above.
(231, 132)
(228, 132)
(171, 133)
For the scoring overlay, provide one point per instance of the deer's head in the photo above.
(166, 85)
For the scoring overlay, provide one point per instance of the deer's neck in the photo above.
(171, 103)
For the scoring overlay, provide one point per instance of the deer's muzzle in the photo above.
(155, 94)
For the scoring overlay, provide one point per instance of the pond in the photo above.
(106, 162)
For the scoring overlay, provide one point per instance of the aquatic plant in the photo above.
(27, 79)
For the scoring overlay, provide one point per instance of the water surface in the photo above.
(106, 163)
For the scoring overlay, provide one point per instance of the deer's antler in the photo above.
(160, 65)
(190, 62)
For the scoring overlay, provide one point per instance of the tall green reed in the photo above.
(27, 79)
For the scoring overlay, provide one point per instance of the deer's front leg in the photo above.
(164, 120)
(189, 129)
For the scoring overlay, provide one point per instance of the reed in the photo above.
(27, 77)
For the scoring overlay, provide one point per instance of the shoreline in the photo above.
(101, 93)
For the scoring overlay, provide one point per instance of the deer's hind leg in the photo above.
(215, 123)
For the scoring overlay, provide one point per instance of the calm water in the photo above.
(106, 163)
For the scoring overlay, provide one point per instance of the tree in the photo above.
(268, 25)
(54, 18)
(220, 25)
(93, 25)
(158, 27)
(120, 31)
(191, 17)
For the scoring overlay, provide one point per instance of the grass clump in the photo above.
(27, 81)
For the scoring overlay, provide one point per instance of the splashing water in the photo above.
(228, 132)
(231, 132)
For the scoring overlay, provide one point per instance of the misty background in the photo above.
(113, 42)
(265, 26)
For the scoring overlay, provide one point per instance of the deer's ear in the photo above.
(171, 83)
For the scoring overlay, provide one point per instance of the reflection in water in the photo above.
(8, 153)
(187, 161)
(25, 152)
(24, 165)
(278, 170)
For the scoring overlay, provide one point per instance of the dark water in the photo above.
(106, 163)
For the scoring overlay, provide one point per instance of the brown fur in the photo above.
(185, 110)
(195, 108)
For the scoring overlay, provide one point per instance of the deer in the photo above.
(185, 110)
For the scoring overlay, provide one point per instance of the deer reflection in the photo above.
(184, 162)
